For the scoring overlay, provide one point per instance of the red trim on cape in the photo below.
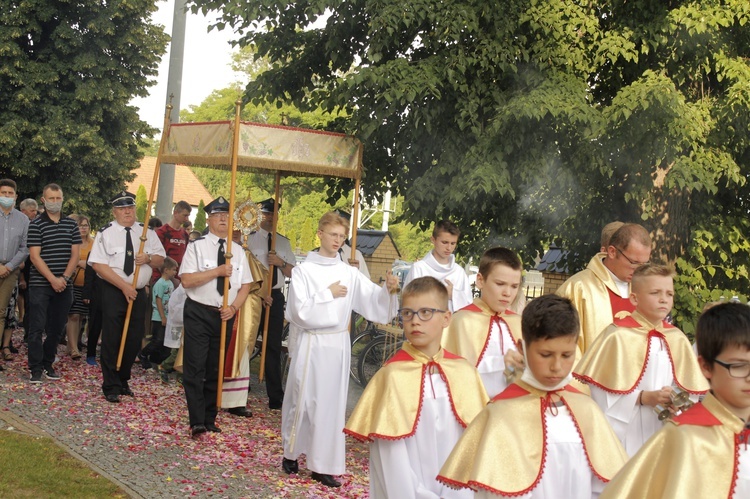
(450, 355)
(231, 350)
(471, 307)
(697, 415)
(511, 392)
(627, 322)
(583, 440)
(400, 356)
(619, 304)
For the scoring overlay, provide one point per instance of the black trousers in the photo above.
(48, 313)
(114, 307)
(273, 369)
(200, 361)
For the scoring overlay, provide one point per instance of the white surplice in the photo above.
(407, 468)
(313, 413)
(491, 366)
(567, 473)
(451, 271)
(634, 424)
(742, 488)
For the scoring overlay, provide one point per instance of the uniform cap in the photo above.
(218, 205)
(122, 199)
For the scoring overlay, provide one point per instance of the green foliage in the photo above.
(141, 203)
(67, 72)
(534, 122)
(200, 218)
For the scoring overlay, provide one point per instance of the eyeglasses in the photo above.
(632, 262)
(337, 237)
(740, 370)
(425, 314)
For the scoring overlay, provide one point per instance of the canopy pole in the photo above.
(144, 233)
(228, 254)
(271, 270)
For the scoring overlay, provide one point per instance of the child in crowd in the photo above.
(705, 452)
(155, 352)
(485, 333)
(540, 438)
(441, 264)
(323, 292)
(633, 364)
(416, 407)
(173, 335)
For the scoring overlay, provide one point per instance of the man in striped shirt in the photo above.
(54, 242)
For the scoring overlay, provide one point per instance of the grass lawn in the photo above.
(36, 467)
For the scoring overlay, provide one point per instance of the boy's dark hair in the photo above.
(424, 285)
(549, 317)
(498, 256)
(182, 206)
(6, 182)
(446, 226)
(720, 327)
(154, 223)
(169, 263)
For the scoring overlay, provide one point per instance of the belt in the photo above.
(209, 307)
(326, 331)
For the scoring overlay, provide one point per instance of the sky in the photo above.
(206, 65)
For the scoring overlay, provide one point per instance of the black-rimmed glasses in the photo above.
(739, 370)
(631, 262)
(424, 314)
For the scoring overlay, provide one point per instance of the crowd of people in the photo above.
(588, 392)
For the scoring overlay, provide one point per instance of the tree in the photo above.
(537, 122)
(200, 218)
(67, 73)
(141, 203)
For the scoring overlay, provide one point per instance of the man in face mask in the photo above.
(54, 241)
(14, 228)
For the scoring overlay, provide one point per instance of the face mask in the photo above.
(528, 376)
(7, 202)
(53, 207)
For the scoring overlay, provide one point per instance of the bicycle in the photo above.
(377, 352)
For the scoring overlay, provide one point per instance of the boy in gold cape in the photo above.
(540, 438)
(416, 407)
(485, 333)
(705, 452)
(633, 364)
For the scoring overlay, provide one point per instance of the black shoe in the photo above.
(290, 466)
(126, 391)
(36, 378)
(50, 373)
(115, 399)
(145, 363)
(240, 411)
(13, 349)
(326, 480)
(213, 428)
(196, 430)
(274, 406)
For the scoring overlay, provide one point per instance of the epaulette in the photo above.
(198, 239)
(105, 227)
(140, 224)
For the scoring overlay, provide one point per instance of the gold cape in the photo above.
(248, 319)
(391, 404)
(694, 457)
(589, 292)
(468, 333)
(617, 359)
(512, 426)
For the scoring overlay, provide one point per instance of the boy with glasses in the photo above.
(633, 364)
(322, 294)
(705, 452)
(416, 407)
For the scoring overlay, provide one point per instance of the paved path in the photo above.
(143, 444)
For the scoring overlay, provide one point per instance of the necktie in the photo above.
(275, 278)
(129, 256)
(221, 261)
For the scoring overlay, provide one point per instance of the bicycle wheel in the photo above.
(374, 355)
(358, 345)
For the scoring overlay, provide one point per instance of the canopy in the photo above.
(266, 148)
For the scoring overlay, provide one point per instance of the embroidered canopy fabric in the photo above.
(265, 147)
